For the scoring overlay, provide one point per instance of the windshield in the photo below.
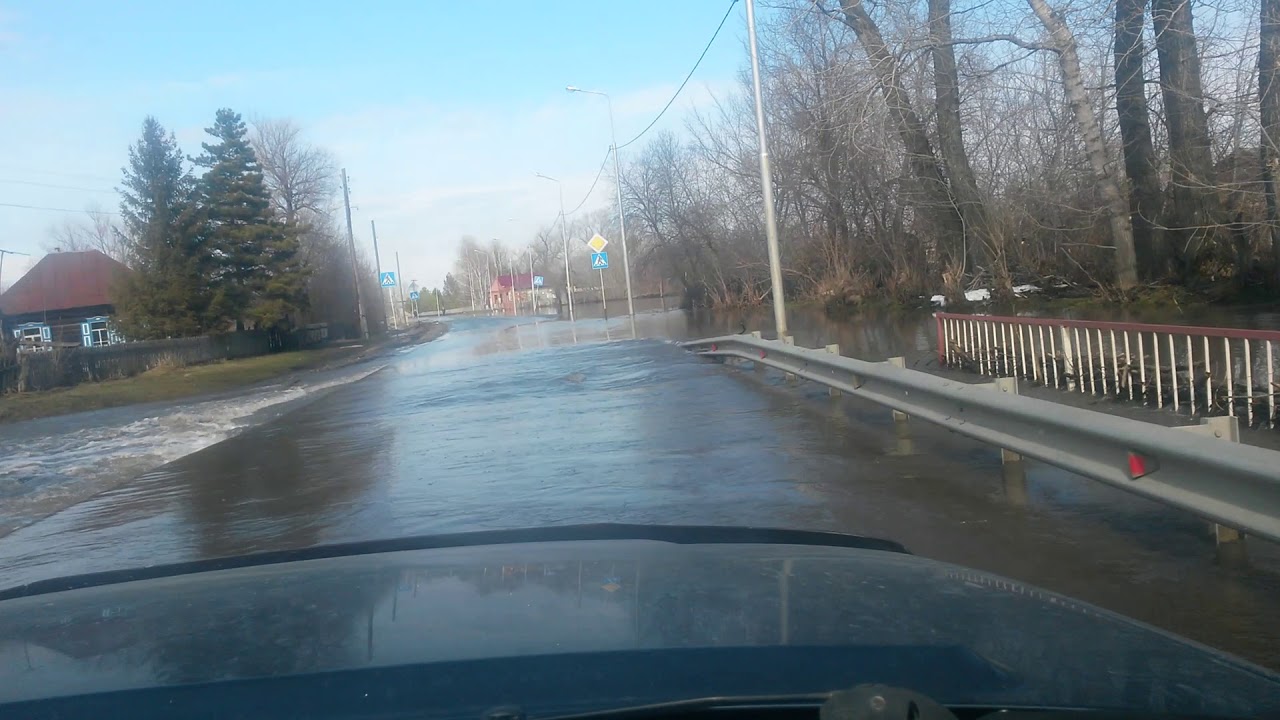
(275, 280)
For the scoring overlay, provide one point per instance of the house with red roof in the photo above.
(509, 292)
(64, 301)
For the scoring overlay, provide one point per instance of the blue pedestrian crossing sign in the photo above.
(387, 279)
(538, 280)
(414, 295)
(600, 260)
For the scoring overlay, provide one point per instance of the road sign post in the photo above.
(603, 302)
(600, 261)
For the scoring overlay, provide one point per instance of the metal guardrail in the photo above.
(1204, 370)
(1235, 485)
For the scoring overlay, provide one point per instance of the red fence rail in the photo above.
(1204, 370)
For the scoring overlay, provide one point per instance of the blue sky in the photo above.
(441, 110)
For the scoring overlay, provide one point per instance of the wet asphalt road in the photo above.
(513, 423)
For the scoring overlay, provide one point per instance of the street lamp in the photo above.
(766, 183)
(617, 178)
(564, 237)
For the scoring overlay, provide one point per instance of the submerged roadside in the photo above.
(50, 463)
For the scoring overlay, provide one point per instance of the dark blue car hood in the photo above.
(713, 613)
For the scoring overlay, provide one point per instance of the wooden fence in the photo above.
(65, 367)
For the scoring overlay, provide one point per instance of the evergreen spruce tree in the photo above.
(257, 271)
(166, 294)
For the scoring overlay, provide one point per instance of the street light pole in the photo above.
(766, 183)
(617, 179)
(564, 237)
(511, 268)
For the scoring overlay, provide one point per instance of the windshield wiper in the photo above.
(714, 702)
(862, 702)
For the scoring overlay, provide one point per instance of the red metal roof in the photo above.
(62, 281)
(503, 282)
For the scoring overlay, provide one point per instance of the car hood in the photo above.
(965, 636)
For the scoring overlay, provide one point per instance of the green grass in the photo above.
(168, 384)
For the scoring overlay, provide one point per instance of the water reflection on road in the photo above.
(521, 422)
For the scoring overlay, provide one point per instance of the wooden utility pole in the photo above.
(383, 295)
(355, 267)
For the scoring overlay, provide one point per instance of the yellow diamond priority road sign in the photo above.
(597, 243)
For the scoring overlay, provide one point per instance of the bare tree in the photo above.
(1117, 208)
(1135, 129)
(1195, 210)
(95, 231)
(299, 175)
(935, 199)
(979, 235)
(1269, 101)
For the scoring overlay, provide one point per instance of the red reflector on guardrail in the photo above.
(714, 347)
(761, 354)
(1140, 465)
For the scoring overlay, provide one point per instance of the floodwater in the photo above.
(518, 422)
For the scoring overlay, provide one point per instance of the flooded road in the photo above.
(508, 423)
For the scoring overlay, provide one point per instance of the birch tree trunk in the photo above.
(1116, 206)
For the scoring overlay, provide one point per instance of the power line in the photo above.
(59, 187)
(600, 172)
(38, 171)
(55, 209)
(686, 77)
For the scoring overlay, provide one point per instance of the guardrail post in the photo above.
(1008, 385)
(1228, 539)
(757, 366)
(900, 362)
(788, 340)
(903, 445)
(834, 349)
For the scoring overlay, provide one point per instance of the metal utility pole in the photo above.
(383, 294)
(355, 267)
(617, 180)
(400, 291)
(439, 312)
(564, 237)
(766, 183)
(533, 297)
(8, 252)
(511, 268)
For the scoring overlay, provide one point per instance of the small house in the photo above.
(515, 291)
(64, 301)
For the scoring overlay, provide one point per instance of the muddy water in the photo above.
(512, 422)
